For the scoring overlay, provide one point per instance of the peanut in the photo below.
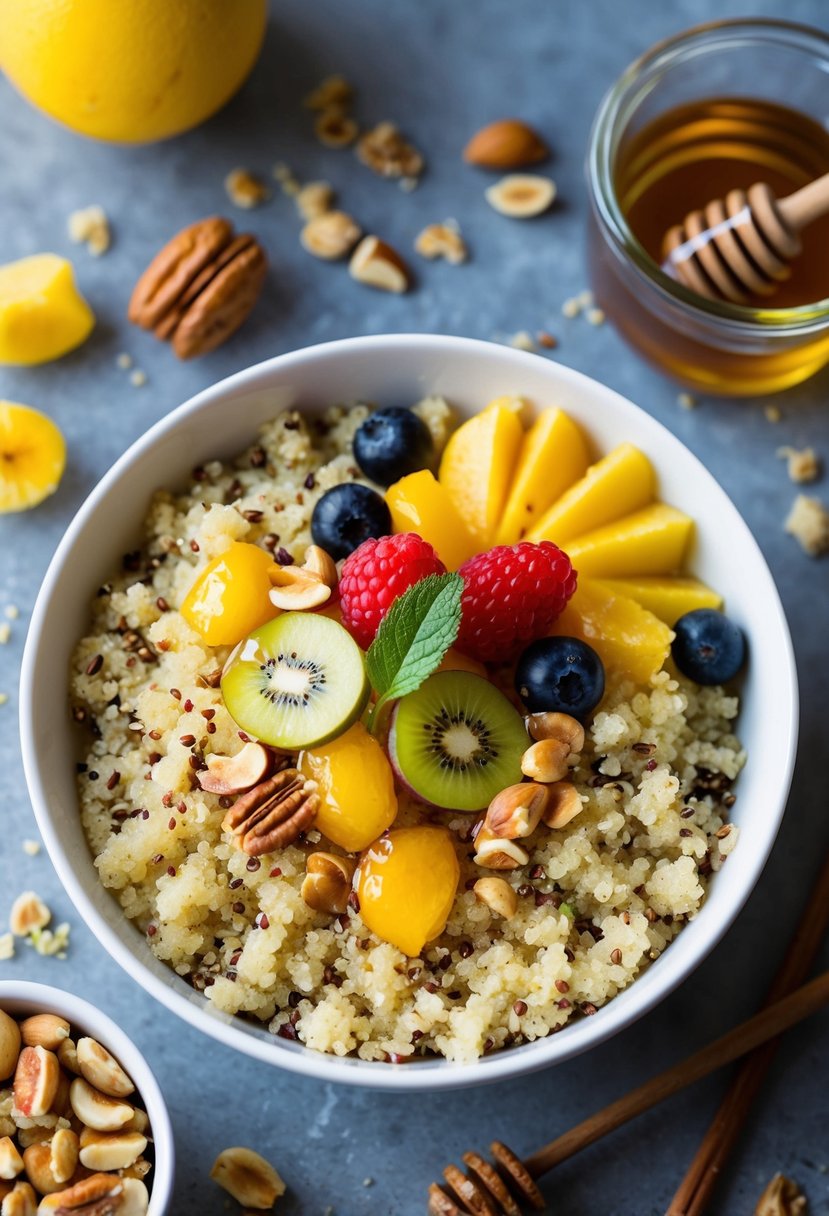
(9, 1045)
(96, 1110)
(546, 760)
(102, 1070)
(64, 1154)
(498, 895)
(249, 1178)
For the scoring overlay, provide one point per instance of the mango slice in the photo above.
(406, 884)
(230, 597)
(667, 598)
(477, 468)
(553, 456)
(629, 640)
(621, 482)
(651, 541)
(356, 788)
(419, 503)
(32, 457)
(42, 313)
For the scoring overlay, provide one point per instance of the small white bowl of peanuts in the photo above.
(83, 1124)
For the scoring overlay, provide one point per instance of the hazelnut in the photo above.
(521, 195)
(559, 726)
(249, 1178)
(516, 811)
(498, 895)
(563, 805)
(545, 760)
(327, 883)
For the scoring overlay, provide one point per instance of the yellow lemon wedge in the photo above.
(32, 457)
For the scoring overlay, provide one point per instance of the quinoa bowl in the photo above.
(393, 370)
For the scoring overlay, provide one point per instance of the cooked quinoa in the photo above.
(598, 901)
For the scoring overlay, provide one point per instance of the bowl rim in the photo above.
(80, 1013)
(431, 1075)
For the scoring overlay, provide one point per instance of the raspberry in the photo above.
(512, 594)
(376, 573)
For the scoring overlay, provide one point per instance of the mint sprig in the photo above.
(413, 637)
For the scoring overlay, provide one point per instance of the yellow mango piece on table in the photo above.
(32, 457)
(42, 313)
(419, 503)
(230, 597)
(406, 884)
(628, 639)
(651, 541)
(621, 482)
(477, 468)
(553, 456)
(667, 598)
(356, 788)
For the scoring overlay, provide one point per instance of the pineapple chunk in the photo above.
(651, 541)
(477, 468)
(629, 640)
(621, 482)
(553, 456)
(667, 598)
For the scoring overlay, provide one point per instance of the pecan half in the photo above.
(274, 813)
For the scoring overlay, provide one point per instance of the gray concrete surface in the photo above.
(441, 69)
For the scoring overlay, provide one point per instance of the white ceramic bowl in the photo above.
(392, 370)
(20, 999)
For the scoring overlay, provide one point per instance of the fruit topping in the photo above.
(42, 313)
(391, 443)
(345, 516)
(708, 647)
(621, 482)
(296, 682)
(406, 885)
(477, 468)
(669, 598)
(230, 597)
(419, 503)
(457, 741)
(562, 674)
(356, 788)
(32, 457)
(512, 595)
(553, 456)
(629, 640)
(651, 541)
(376, 574)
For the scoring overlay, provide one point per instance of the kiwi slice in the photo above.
(457, 741)
(296, 681)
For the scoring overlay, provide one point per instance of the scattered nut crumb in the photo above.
(686, 401)
(29, 913)
(523, 340)
(571, 307)
(368, 1182)
(51, 944)
(5, 632)
(594, 316)
(335, 129)
(12, 611)
(291, 187)
(442, 241)
(138, 378)
(4, 696)
(314, 199)
(386, 152)
(330, 235)
(248, 1177)
(124, 361)
(546, 340)
(332, 91)
(408, 184)
(89, 226)
(782, 1197)
(803, 465)
(808, 522)
(772, 413)
(585, 298)
(281, 172)
(6, 947)
(31, 847)
(245, 190)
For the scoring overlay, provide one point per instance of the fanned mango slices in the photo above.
(477, 468)
(621, 482)
(651, 541)
(668, 598)
(553, 456)
(627, 637)
(419, 503)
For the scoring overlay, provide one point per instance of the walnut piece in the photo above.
(332, 91)
(782, 1197)
(273, 814)
(808, 522)
(314, 199)
(89, 226)
(335, 129)
(330, 235)
(245, 190)
(442, 241)
(802, 465)
(385, 151)
(248, 1177)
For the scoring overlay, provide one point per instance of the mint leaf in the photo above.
(413, 637)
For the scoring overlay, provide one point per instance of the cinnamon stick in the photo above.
(691, 1198)
(767, 1024)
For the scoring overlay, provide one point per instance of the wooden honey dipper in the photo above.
(741, 247)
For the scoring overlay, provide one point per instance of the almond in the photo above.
(378, 265)
(506, 144)
(44, 1030)
(521, 195)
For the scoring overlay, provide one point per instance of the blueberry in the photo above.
(708, 648)
(563, 674)
(392, 443)
(347, 515)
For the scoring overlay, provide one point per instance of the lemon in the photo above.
(130, 70)
(32, 457)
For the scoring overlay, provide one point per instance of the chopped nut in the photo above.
(308, 586)
(36, 1080)
(64, 1154)
(28, 913)
(773, 413)
(249, 1178)
(327, 883)
(523, 340)
(97, 1110)
(330, 235)
(273, 814)
(802, 465)
(90, 226)
(37, 1160)
(5, 632)
(498, 895)
(11, 1163)
(68, 1056)
(102, 1070)
(22, 1201)
(595, 316)
(546, 760)
(6, 947)
(495, 853)
(442, 241)
(686, 401)
(235, 774)
(782, 1197)
(124, 361)
(515, 812)
(107, 1151)
(245, 190)
(546, 340)
(507, 144)
(335, 129)
(808, 522)
(385, 151)
(378, 265)
(571, 307)
(332, 91)
(138, 378)
(10, 1041)
(521, 195)
(554, 725)
(314, 199)
(44, 1030)
(564, 804)
(99, 1195)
